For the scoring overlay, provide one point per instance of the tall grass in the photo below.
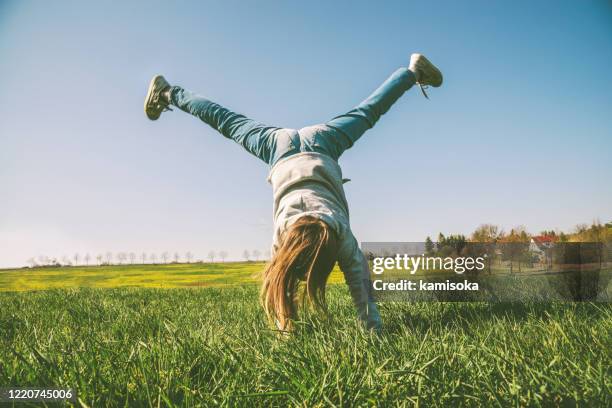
(205, 347)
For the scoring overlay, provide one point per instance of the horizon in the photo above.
(518, 134)
(124, 258)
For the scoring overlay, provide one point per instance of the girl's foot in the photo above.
(426, 73)
(156, 100)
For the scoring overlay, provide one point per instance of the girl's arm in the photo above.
(356, 272)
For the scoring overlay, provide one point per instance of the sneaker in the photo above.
(426, 72)
(155, 102)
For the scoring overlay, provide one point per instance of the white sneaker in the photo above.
(426, 73)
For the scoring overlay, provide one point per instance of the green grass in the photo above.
(212, 347)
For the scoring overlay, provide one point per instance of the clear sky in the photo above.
(519, 134)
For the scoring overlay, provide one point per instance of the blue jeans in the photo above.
(271, 144)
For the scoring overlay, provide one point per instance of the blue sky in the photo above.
(519, 134)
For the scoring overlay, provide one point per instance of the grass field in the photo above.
(141, 276)
(210, 346)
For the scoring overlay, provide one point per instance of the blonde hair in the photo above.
(307, 252)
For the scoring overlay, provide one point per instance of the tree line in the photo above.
(514, 246)
(490, 233)
(131, 258)
(516, 242)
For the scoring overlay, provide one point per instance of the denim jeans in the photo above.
(271, 144)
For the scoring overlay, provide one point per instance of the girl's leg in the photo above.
(342, 132)
(257, 138)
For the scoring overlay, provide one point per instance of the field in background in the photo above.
(142, 276)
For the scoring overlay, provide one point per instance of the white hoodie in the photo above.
(311, 183)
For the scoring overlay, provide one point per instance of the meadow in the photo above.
(195, 336)
(172, 275)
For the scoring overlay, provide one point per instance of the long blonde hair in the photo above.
(307, 252)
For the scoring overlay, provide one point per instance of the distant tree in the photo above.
(109, 258)
(486, 233)
(176, 257)
(246, 255)
(153, 258)
(597, 232)
(223, 255)
(87, 258)
(211, 256)
(188, 256)
(165, 256)
(580, 228)
(549, 233)
(429, 246)
(121, 257)
(256, 254)
(458, 242)
(143, 257)
(76, 258)
(99, 258)
(453, 244)
(514, 245)
(483, 241)
(132, 257)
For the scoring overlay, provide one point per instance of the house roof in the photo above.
(544, 239)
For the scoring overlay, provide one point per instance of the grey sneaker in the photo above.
(155, 102)
(426, 72)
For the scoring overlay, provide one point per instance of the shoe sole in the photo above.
(436, 71)
(149, 96)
